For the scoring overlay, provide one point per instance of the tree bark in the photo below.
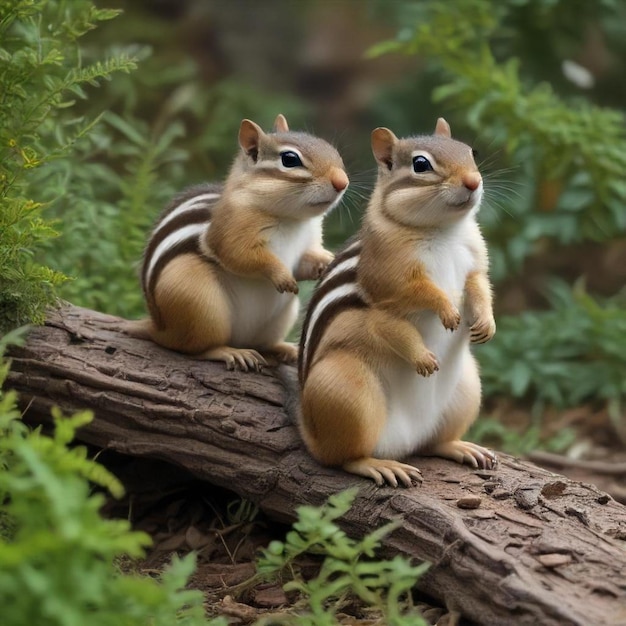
(539, 549)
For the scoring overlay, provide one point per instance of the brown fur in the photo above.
(197, 326)
(392, 276)
(238, 238)
(190, 301)
(343, 399)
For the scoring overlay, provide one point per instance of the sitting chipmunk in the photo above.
(378, 324)
(220, 268)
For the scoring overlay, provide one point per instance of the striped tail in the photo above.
(178, 230)
(336, 291)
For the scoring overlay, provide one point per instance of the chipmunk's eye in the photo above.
(421, 164)
(290, 159)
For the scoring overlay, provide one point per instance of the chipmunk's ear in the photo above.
(280, 124)
(443, 128)
(249, 137)
(383, 141)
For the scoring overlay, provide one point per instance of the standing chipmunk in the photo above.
(385, 367)
(220, 268)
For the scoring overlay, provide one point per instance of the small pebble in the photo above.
(469, 502)
(554, 560)
(554, 489)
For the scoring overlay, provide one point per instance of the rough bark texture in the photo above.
(540, 549)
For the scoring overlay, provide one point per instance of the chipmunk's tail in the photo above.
(288, 375)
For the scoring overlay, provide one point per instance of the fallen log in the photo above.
(516, 545)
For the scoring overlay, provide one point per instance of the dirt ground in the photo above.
(182, 514)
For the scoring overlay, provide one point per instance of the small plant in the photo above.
(113, 188)
(57, 554)
(489, 431)
(571, 354)
(41, 76)
(384, 585)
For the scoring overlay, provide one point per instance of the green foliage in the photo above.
(497, 70)
(385, 585)
(57, 555)
(571, 354)
(41, 76)
(164, 130)
(562, 147)
(490, 431)
(112, 190)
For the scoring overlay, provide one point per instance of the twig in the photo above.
(557, 460)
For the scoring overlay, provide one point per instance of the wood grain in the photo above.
(539, 548)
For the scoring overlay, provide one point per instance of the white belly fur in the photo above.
(415, 403)
(258, 309)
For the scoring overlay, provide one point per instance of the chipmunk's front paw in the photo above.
(483, 329)
(313, 263)
(450, 317)
(427, 364)
(285, 283)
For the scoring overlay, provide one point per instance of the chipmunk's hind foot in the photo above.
(466, 452)
(383, 471)
(283, 352)
(243, 359)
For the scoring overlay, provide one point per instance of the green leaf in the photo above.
(384, 47)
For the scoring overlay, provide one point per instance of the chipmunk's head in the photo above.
(290, 174)
(426, 181)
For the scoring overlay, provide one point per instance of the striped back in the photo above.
(336, 291)
(177, 231)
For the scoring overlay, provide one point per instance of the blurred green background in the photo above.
(536, 86)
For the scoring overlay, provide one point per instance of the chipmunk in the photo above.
(385, 368)
(220, 268)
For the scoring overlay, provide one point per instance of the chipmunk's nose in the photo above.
(472, 180)
(338, 179)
